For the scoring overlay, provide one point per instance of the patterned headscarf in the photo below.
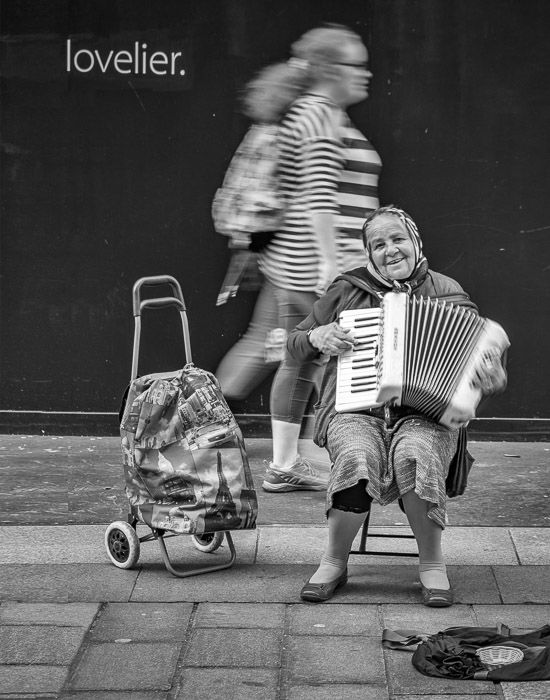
(420, 263)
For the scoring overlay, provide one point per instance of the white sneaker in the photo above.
(300, 477)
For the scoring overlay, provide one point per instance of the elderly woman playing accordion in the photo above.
(389, 452)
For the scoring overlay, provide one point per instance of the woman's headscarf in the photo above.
(420, 270)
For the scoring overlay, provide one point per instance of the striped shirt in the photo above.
(325, 165)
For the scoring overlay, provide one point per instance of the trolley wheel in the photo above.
(208, 542)
(122, 544)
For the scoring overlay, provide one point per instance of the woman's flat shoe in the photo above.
(320, 592)
(437, 597)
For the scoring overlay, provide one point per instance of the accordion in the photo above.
(418, 352)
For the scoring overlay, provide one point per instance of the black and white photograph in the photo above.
(274, 349)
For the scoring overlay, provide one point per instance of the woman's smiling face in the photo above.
(391, 248)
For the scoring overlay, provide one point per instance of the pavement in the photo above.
(73, 626)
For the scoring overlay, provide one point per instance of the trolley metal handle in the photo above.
(157, 303)
(160, 302)
(155, 281)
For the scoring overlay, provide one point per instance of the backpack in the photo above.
(185, 463)
(248, 207)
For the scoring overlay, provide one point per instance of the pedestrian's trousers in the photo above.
(244, 367)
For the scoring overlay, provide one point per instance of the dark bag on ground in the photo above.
(452, 653)
(185, 463)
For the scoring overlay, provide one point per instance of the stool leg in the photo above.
(364, 534)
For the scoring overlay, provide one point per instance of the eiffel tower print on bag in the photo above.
(185, 461)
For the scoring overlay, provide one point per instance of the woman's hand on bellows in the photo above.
(490, 375)
(331, 339)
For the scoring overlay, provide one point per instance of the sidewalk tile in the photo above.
(62, 544)
(539, 690)
(475, 584)
(228, 683)
(460, 696)
(333, 691)
(243, 615)
(522, 616)
(31, 679)
(58, 614)
(99, 582)
(142, 622)
(44, 644)
(312, 659)
(65, 583)
(291, 545)
(378, 542)
(121, 695)
(478, 545)
(305, 545)
(419, 618)
(334, 620)
(183, 553)
(401, 584)
(239, 584)
(34, 583)
(84, 544)
(523, 584)
(404, 679)
(379, 583)
(126, 667)
(234, 647)
(532, 544)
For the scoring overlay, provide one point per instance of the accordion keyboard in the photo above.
(357, 384)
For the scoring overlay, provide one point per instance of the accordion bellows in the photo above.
(416, 352)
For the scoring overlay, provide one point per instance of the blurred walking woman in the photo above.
(328, 173)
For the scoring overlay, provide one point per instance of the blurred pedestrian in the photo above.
(328, 177)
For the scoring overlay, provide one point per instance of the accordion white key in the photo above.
(418, 352)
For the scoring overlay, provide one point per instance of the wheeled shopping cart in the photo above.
(185, 464)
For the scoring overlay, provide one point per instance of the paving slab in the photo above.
(16, 679)
(427, 620)
(286, 545)
(142, 622)
(84, 544)
(239, 584)
(116, 667)
(379, 584)
(334, 691)
(478, 545)
(243, 615)
(539, 690)
(523, 584)
(404, 679)
(234, 647)
(228, 683)
(44, 644)
(121, 695)
(66, 583)
(521, 616)
(282, 584)
(334, 659)
(315, 620)
(475, 584)
(431, 696)
(532, 544)
(305, 545)
(58, 614)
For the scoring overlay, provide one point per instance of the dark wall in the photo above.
(106, 178)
